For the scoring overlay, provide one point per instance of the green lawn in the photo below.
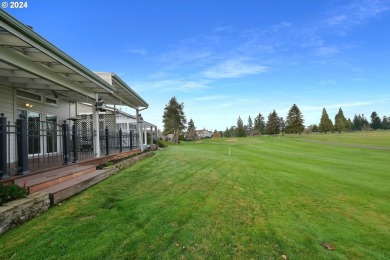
(271, 196)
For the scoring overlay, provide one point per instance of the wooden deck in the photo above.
(63, 182)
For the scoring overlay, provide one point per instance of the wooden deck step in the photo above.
(71, 187)
(44, 180)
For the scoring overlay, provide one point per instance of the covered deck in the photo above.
(41, 88)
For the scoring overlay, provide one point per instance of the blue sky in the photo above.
(226, 59)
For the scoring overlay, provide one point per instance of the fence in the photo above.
(32, 144)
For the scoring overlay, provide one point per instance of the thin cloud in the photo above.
(233, 68)
(209, 98)
(342, 105)
(172, 85)
(357, 13)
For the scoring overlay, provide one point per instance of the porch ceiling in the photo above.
(29, 62)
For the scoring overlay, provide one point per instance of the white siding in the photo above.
(7, 102)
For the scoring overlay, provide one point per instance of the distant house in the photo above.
(204, 134)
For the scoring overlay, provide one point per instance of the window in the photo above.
(51, 101)
(29, 95)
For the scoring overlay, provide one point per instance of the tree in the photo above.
(294, 121)
(232, 130)
(340, 122)
(250, 124)
(375, 121)
(326, 124)
(259, 124)
(217, 134)
(282, 124)
(227, 133)
(191, 131)
(174, 119)
(385, 123)
(273, 124)
(241, 131)
(359, 122)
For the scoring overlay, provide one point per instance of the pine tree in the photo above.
(385, 123)
(174, 119)
(273, 124)
(259, 124)
(359, 122)
(326, 124)
(294, 121)
(241, 131)
(191, 131)
(227, 133)
(340, 122)
(375, 121)
(250, 124)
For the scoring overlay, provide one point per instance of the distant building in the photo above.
(204, 134)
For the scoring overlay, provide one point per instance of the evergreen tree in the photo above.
(241, 131)
(282, 124)
(250, 124)
(359, 122)
(375, 121)
(232, 130)
(273, 124)
(259, 124)
(349, 124)
(174, 119)
(191, 131)
(294, 121)
(340, 122)
(326, 124)
(385, 123)
(227, 133)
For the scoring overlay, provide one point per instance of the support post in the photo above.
(66, 143)
(3, 147)
(95, 116)
(75, 146)
(107, 141)
(131, 140)
(139, 130)
(120, 140)
(22, 145)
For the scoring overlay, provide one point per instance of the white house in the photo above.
(204, 134)
(47, 88)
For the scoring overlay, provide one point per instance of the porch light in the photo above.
(28, 105)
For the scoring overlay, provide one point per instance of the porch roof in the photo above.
(30, 62)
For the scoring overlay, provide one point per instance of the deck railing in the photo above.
(28, 146)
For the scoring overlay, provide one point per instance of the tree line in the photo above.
(294, 124)
(175, 121)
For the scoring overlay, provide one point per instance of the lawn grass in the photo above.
(271, 196)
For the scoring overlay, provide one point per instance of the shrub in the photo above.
(11, 192)
(162, 143)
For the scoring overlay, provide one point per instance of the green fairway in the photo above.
(272, 196)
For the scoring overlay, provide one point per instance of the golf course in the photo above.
(316, 196)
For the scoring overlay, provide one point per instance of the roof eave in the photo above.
(28, 35)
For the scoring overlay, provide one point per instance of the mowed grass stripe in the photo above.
(271, 196)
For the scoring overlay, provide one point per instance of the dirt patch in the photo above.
(198, 142)
(231, 140)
